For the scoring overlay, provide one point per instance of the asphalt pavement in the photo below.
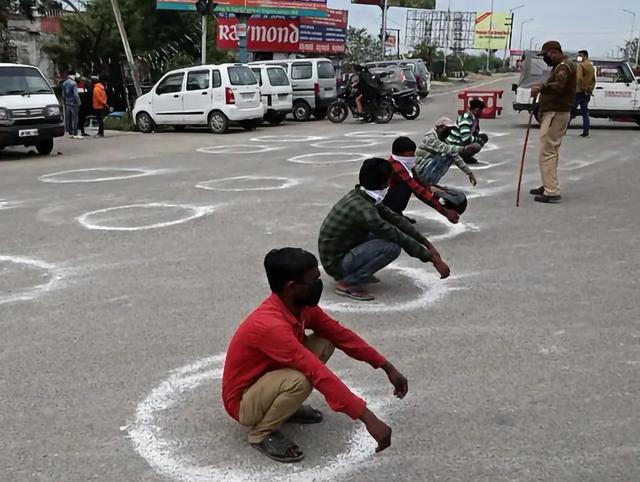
(127, 262)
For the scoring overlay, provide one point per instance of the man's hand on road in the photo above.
(452, 216)
(472, 179)
(397, 379)
(379, 430)
(441, 267)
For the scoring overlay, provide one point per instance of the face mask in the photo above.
(547, 60)
(408, 162)
(314, 292)
(378, 195)
(579, 59)
(72, 77)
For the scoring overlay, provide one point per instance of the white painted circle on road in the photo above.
(345, 144)
(53, 273)
(107, 219)
(248, 183)
(329, 158)
(154, 441)
(237, 149)
(286, 138)
(452, 230)
(97, 174)
(374, 134)
(426, 279)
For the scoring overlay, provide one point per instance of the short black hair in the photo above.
(403, 144)
(375, 173)
(476, 104)
(287, 264)
(584, 53)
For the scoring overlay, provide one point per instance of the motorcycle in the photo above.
(406, 103)
(380, 109)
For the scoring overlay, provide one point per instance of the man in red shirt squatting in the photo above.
(272, 365)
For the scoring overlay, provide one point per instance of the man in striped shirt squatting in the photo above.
(360, 235)
(467, 130)
(435, 155)
(272, 364)
(403, 182)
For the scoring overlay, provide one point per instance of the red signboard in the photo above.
(288, 34)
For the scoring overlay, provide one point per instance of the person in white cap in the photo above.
(435, 155)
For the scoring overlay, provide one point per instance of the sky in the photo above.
(592, 25)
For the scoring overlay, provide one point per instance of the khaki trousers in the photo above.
(279, 394)
(553, 127)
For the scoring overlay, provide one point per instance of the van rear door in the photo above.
(280, 88)
(327, 91)
(243, 84)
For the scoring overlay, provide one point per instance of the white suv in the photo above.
(213, 95)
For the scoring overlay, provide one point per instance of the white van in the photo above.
(276, 91)
(211, 95)
(30, 114)
(616, 96)
(314, 85)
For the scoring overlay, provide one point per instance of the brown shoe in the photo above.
(539, 191)
(354, 292)
(548, 199)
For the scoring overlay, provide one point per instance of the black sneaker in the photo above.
(548, 199)
(539, 191)
(585, 134)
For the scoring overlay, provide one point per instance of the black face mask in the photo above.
(547, 60)
(314, 292)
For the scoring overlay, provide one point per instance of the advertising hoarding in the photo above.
(426, 4)
(313, 8)
(492, 31)
(324, 35)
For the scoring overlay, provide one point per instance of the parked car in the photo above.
(276, 92)
(420, 71)
(616, 96)
(314, 85)
(207, 95)
(396, 78)
(30, 114)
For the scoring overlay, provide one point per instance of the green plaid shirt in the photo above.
(350, 223)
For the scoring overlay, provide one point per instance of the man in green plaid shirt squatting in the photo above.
(360, 235)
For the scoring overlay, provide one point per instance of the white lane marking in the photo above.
(55, 273)
(309, 158)
(490, 146)
(452, 231)
(220, 184)
(154, 443)
(5, 204)
(431, 287)
(237, 149)
(287, 138)
(485, 165)
(195, 212)
(495, 134)
(345, 144)
(472, 86)
(375, 134)
(119, 174)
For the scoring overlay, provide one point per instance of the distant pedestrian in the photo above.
(585, 83)
(557, 96)
(85, 109)
(467, 130)
(71, 99)
(100, 105)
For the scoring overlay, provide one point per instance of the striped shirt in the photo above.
(431, 146)
(353, 219)
(466, 130)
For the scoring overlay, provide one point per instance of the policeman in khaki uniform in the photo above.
(557, 96)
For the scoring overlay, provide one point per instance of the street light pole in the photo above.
(633, 27)
(531, 42)
(384, 29)
(490, 35)
(508, 44)
(127, 49)
(522, 30)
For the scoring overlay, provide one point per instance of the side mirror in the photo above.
(514, 88)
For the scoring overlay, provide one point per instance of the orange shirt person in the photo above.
(100, 104)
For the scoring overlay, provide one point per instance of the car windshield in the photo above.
(241, 76)
(22, 81)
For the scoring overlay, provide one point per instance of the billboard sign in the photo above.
(426, 4)
(312, 8)
(276, 33)
(492, 30)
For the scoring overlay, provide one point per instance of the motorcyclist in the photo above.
(368, 87)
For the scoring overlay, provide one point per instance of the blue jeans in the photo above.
(71, 118)
(363, 261)
(582, 101)
(434, 169)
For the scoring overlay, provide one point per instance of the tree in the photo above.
(362, 47)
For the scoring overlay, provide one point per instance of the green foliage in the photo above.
(361, 46)
(119, 123)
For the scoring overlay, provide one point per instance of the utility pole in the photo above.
(446, 41)
(127, 49)
(384, 29)
(203, 49)
(522, 30)
(633, 27)
(490, 35)
(508, 45)
(204, 8)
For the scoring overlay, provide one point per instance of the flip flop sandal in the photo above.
(276, 445)
(355, 293)
(306, 415)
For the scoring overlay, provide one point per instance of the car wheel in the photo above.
(144, 122)
(218, 122)
(44, 148)
(301, 111)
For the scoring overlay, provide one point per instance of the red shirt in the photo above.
(401, 175)
(271, 338)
